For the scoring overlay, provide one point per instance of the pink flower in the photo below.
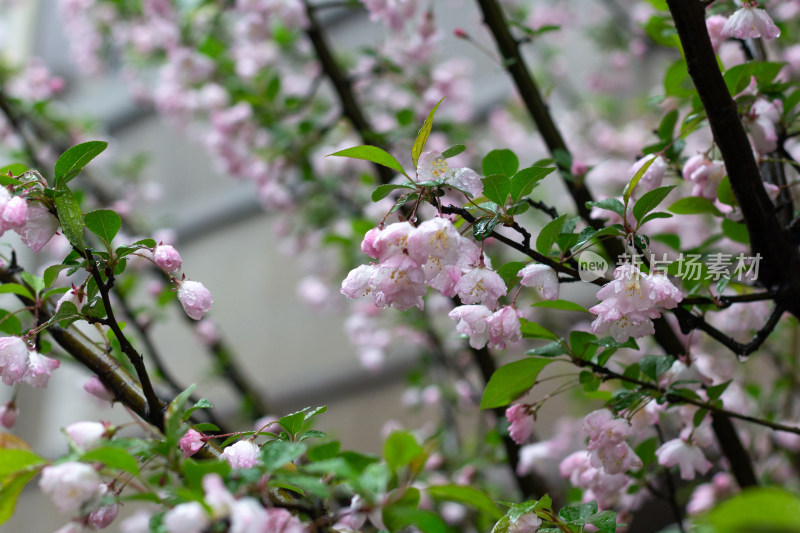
(432, 166)
(8, 415)
(13, 359)
(357, 282)
(86, 435)
(70, 485)
(399, 282)
(195, 298)
(282, 520)
(764, 116)
(76, 297)
(481, 285)
(686, 455)
(629, 303)
(95, 387)
(368, 244)
(504, 327)
(527, 523)
(188, 517)
(392, 240)
(191, 443)
(715, 24)
(15, 213)
(207, 331)
(750, 22)
(242, 454)
(542, 277)
(216, 495)
(248, 516)
(39, 228)
(167, 258)
(102, 517)
(472, 323)
(705, 174)
(39, 368)
(521, 422)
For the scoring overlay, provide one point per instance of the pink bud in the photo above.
(167, 257)
(15, 213)
(195, 298)
(103, 517)
(96, 388)
(8, 415)
(191, 443)
(242, 454)
(86, 434)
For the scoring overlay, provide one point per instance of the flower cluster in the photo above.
(628, 304)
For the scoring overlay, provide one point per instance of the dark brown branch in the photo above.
(154, 413)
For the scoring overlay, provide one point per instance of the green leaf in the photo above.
(51, 273)
(67, 310)
(293, 423)
(422, 136)
(578, 514)
(467, 495)
(453, 151)
(650, 201)
(551, 349)
(564, 305)
(400, 449)
(484, 227)
(652, 216)
(510, 381)
(9, 323)
(502, 162)
(532, 330)
(104, 223)
(72, 161)
(373, 154)
(653, 366)
(694, 205)
(174, 413)
(548, 235)
(525, 180)
(34, 282)
(725, 193)
(15, 288)
(735, 231)
(115, 458)
(9, 493)
(610, 204)
(278, 453)
(764, 509)
(677, 81)
(667, 126)
(605, 521)
(583, 344)
(509, 273)
(15, 169)
(13, 460)
(626, 194)
(69, 214)
(715, 391)
(382, 191)
(195, 471)
(496, 188)
(400, 517)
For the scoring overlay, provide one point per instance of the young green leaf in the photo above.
(453, 151)
(650, 201)
(525, 180)
(549, 234)
(694, 205)
(467, 495)
(725, 193)
(626, 194)
(422, 136)
(532, 330)
(503, 162)
(104, 223)
(564, 305)
(510, 381)
(72, 161)
(373, 154)
(496, 188)
(69, 214)
(400, 449)
(382, 191)
(611, 204)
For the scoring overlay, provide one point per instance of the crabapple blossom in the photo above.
(481, 285)
(707, 494)
(8, 415)
(195, 298)
(86, 435)
(13, 359)
(70, 485)
(750, 22)
(527, 523)
(191, 442)
(75, 296)
(138, 522)
(472, 323)
(705, 174)
(188, 517)
(521, 421)
(241, 454)
(39, 368)
(715, 25)
(104, 516)
(167, 258)
(399, 282)
(542, 277)
(762, 121)
(504, 327)
(39, 227)
(686, 455)
(95, 387)
(629, 302)
(432, 166)
(607, 446)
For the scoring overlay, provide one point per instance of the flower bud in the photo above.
(195, 298)
(167, 257)
(8, 415)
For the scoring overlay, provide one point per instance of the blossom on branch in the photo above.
(750, 22)
(195, 298)
(542, 277)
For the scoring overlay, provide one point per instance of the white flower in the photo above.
(542, 277)
(70, 485)
(750, 22)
